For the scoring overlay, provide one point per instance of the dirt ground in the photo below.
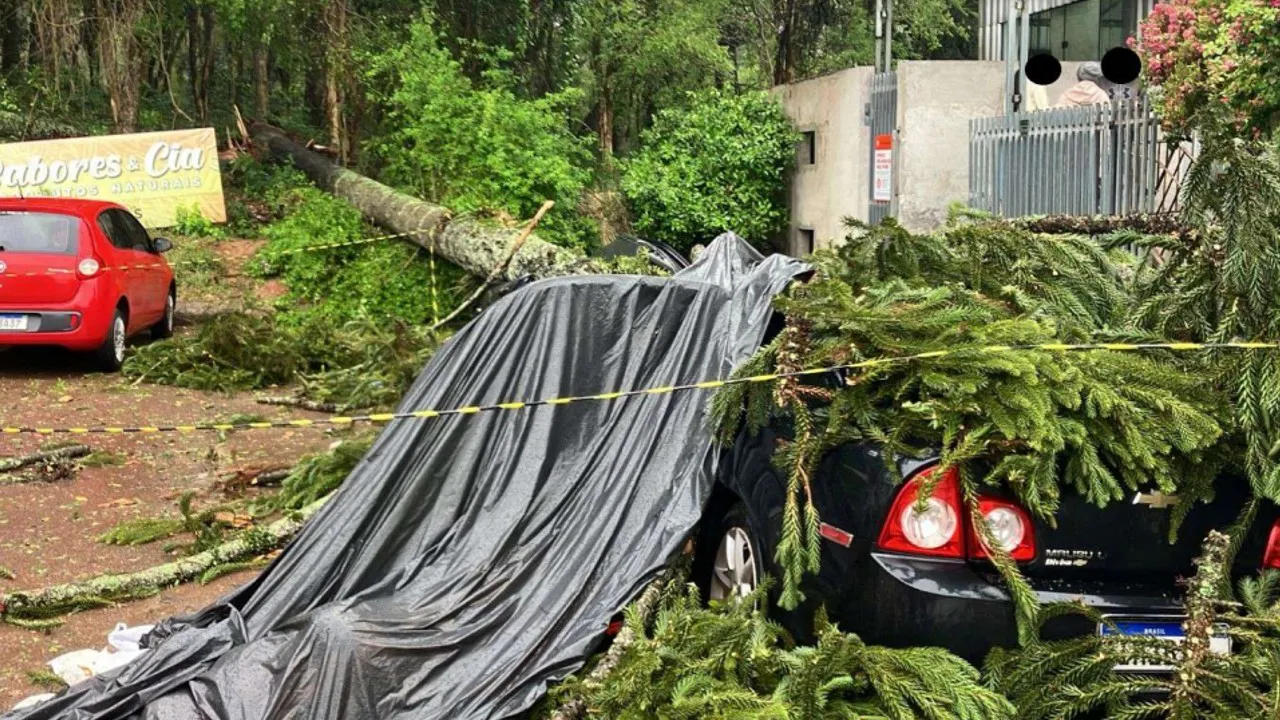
(48, 530)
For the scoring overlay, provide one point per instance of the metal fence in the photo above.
(882, 118)
(1096, 160)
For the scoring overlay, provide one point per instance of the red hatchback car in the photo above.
(83, 275)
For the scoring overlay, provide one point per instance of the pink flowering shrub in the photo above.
(1216, 64)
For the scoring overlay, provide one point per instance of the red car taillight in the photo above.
(1271, 558)
(942, 527)
(1011, 527)
(936, 529)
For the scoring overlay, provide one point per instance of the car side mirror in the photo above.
(162, 245)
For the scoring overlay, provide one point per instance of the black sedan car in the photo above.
(899, 576)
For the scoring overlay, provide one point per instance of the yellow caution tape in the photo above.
(517, 405)
(271, 254)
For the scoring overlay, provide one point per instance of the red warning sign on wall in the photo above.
(882, 169)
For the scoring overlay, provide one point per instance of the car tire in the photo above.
(729, 565)
(164, 328)
(110, 355)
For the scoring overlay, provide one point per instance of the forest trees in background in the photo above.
(341, 71)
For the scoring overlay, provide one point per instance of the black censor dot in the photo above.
(1043, 69)
(1120, 65)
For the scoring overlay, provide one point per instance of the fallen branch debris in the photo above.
(44, 457)
(303, 403)
(38, 605)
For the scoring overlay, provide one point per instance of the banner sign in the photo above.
(152, 174)
(882, 170)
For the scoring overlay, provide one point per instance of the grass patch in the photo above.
(46, 680)
(140, 531)
(101, 458)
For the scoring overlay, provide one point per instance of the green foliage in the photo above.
(218, 571)
(1099, 423)
(475, 145)
(641, 55)
(140, 531)
(190, 222)
(367, 362)
(390, 278)
(1069, 678)
(46, 680)
(1219, 283)
(731, 661)
(717, 164)
(315, 476)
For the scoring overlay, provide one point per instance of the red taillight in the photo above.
(1011, 526)
(942, 528)
(1271, 558)
(88, 267)
(75, 321)
(936, 529)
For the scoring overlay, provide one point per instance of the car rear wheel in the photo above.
(111, 355)
(735, 567)
(164, 328)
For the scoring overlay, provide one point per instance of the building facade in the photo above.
(1070, 30)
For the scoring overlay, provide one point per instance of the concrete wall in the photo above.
(936, 100)
(836, 185)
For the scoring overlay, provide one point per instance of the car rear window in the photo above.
(36, 232)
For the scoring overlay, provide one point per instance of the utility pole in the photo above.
(884, 36)
(1017, 36)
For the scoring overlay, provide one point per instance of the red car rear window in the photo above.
(35, 232)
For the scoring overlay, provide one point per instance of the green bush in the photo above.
(720, 163)
(389, 278)
(477, 146)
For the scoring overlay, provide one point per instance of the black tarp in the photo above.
(469, 561)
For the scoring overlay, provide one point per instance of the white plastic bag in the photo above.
(127, 638)
(123, 647)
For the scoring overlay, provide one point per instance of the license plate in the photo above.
(13, 323)
(1165, 628)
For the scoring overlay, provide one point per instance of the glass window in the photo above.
(137, 234)
(35, 232)
(116, 234)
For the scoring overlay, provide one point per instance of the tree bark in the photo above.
(475, 246)
(335, 74)
(121, 59)
(200, 56)
(261, 80)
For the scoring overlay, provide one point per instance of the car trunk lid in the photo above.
(1130, 540)
(39, 252)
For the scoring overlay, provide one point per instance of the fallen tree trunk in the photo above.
(44, 456)
(476, 246)
(60, 599)
(20, 127)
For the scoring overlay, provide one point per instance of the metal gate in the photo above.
(1096, 160)
(882, 119)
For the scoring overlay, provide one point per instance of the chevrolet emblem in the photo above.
(1156, 500)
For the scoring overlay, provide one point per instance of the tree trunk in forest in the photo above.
(784, 63)
(118, 21)
(335, 75)
(13, 35)
(606, 120)
(201, 24)
(261, 80)
(475, 246)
